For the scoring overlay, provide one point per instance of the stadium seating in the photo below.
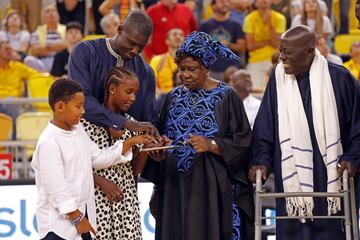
(6, 127)
(343, 42)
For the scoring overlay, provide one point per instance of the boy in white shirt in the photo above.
(63, 162)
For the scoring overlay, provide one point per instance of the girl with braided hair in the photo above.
(117, 208)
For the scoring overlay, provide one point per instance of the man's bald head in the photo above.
(302, 35)
(241, 82)
(297, 49)
(132, 35)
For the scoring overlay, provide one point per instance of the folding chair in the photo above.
(38, 87)
(92, 37)
(29, 127)
(6, 127)
(347, 194)
(342, 43)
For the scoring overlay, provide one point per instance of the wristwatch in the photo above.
(213, 145)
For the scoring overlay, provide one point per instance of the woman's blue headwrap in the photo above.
(201, 46)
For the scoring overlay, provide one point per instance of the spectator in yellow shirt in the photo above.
(13, 75)
(262, 29)
(163, 65)
(353, 65)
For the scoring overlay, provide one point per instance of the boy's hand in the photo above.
(84, 226)
(113, 192)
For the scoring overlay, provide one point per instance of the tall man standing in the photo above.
(90, 61)
(308, 131)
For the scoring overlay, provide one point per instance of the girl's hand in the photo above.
(141, 139)
(113, 192)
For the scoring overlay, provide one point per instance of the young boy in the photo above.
(63, 162)
(73, 36)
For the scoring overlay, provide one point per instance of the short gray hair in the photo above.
(107, 19)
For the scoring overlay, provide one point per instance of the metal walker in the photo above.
(347, 194)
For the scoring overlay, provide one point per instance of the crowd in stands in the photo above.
(122, 61)
(36, 39)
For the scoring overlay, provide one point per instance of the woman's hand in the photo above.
(112, 191)
(200, 143)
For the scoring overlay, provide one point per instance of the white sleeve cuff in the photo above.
(126, 157)
(67, 207)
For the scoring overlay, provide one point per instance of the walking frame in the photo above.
(347, 194)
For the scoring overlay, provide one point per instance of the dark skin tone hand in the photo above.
(252, 173)
(84, 225)
(346, 165)
(113, 192)
(145, 127)
(160, 155)
(202, 144)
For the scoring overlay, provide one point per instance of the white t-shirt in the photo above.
(327, 27)
(251, 105)
(334, 59)
(15, 40)
(63, 163)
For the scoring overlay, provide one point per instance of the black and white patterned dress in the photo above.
(119, 220)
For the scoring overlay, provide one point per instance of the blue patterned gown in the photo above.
(198, 192)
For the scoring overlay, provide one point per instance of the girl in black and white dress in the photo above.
(117, 206)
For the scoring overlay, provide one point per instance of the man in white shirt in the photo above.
(63, 162)
(323, 48)
(241, 82)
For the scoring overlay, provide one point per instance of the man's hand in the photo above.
(160, 155)
(84, 226)
(112, 191)
(200, 143)
(252, 173)
(145, 127)
(346, 165)
(116, 134)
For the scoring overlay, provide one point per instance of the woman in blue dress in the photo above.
(202, 191)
